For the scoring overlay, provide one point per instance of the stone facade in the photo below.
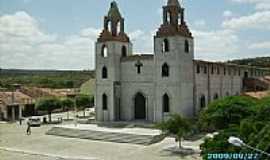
(151, 87)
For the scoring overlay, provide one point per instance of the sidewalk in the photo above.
(31, 153)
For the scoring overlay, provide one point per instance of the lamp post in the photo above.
(73, 96)
(13, 102)
(239, 143)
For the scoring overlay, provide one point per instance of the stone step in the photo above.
(104, 136)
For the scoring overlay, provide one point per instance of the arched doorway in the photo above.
(140, 108)
(202, 102)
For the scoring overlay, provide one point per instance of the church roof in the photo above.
(138, 57)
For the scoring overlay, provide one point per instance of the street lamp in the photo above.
(15, 87)
(73, 96)
(239, 143)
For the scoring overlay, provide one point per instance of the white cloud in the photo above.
(228, 14)
(260, 45)
(215, 45)
(258, 20)
(23, 44)
(259, 4)
(200, 23)
(143, 41)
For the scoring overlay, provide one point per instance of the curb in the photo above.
(46, 155)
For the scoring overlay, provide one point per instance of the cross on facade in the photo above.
(138, 65)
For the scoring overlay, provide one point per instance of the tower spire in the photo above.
(173, 20)
(114, 26)
(173, 3)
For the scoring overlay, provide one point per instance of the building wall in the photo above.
(179, 84)
(208, 83)
(109, 86)
(133, 83)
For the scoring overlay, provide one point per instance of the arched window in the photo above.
(168, 17)
(227, 94)
(124, 51)
(202, 102)
(166, 103)
(104, 73)
(165, 70)
(205, 69)
(104, 51)
(118, 29)
(104, 102)
(179, 19)
(165, 46)
(198, 68)
(186, 46)
(215, 96)
(109, 26)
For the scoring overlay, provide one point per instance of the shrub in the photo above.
(175, 126)
(222, 113)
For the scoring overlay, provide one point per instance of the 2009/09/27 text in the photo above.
(232, 156)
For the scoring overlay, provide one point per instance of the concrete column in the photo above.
(13, 113)
(20, 111)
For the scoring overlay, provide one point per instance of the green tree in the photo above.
(263, 109)
(222, 113)
(176, 126)
(48, 104)
(253, 129)
(67, 105)
(219, 143)
(84, 101)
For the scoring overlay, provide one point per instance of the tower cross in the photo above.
(138, 65)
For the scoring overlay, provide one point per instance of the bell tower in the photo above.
(112, 44)
(174, 54)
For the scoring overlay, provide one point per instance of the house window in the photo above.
(218, 70)
(124, 51)
(225, 71)
(104, 73)
(202, 102)
(165, 46)
(198, 69)
(205, 69)
(104, 51)
(239, 72)
(216, 96)
(104, 102)
(186, 46)
(212, 69)
(166, 103)
(165, 70)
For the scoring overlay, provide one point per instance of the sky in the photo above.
(61, 34)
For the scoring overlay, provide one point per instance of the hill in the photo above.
(88, 87)
(263, 62)
(44, 78)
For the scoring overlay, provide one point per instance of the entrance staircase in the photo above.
(106, 136)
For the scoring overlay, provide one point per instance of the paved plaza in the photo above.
(15, 144)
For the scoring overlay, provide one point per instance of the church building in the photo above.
(152, 87)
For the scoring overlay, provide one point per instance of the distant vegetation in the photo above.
(263, 62)
(88, 87)
(44, 79)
